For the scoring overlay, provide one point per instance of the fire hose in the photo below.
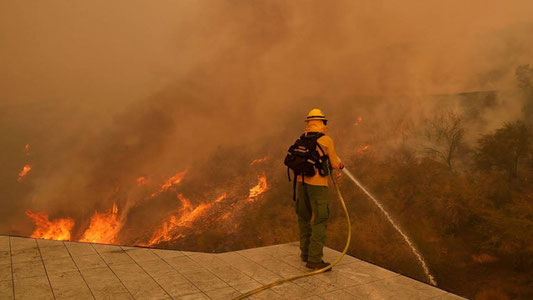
(283, 280)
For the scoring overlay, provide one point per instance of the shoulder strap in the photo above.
(294, 186)
(316, 136)
(320, 147)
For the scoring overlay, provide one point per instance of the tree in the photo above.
(505, 148)
(524, 76)
(445, 135)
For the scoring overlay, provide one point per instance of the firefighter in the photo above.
(312, 203)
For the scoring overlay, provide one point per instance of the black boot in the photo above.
(317, 265)
(304, 257)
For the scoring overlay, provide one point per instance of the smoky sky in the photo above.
(124, 51)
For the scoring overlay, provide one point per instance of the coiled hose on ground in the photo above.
(278, 282)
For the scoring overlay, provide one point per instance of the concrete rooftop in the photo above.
(44, 269)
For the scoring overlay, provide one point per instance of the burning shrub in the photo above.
(104, 227)
(58, 229)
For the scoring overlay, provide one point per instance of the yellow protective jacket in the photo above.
(327, 144)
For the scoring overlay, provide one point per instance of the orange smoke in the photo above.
(103, 228)
(259, 160)
(58, 229)
(258, 189)
(358, 121)
(24, 172)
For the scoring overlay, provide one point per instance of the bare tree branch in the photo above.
(445, 133)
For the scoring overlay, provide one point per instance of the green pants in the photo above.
(312, 201)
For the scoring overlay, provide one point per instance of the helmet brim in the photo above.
(315, 118)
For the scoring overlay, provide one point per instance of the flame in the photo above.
(103, 228)
(222, 197)
(258, 189)
(172, 181)
(225, 216)
(363, 149)
(259, 160)
(176, 179)
(142, 181)
(58, 229)
(358, 121)
(27, 149)
(484, 258)
(25, 170)
(189, 215)
(184, 218)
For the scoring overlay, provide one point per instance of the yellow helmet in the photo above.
(315, 114)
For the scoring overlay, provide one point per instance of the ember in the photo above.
(363, 149)
(142, 181)
(24, 172)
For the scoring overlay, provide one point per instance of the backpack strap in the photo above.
(294, 187)
(316, 136)
(305, 187)
(320, 147)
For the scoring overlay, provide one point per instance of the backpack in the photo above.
(304, 159)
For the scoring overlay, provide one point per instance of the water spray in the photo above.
(404, 236)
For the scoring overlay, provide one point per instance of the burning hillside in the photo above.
(187, 220)
(226, 200)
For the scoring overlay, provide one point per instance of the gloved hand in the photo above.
(341, 166)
